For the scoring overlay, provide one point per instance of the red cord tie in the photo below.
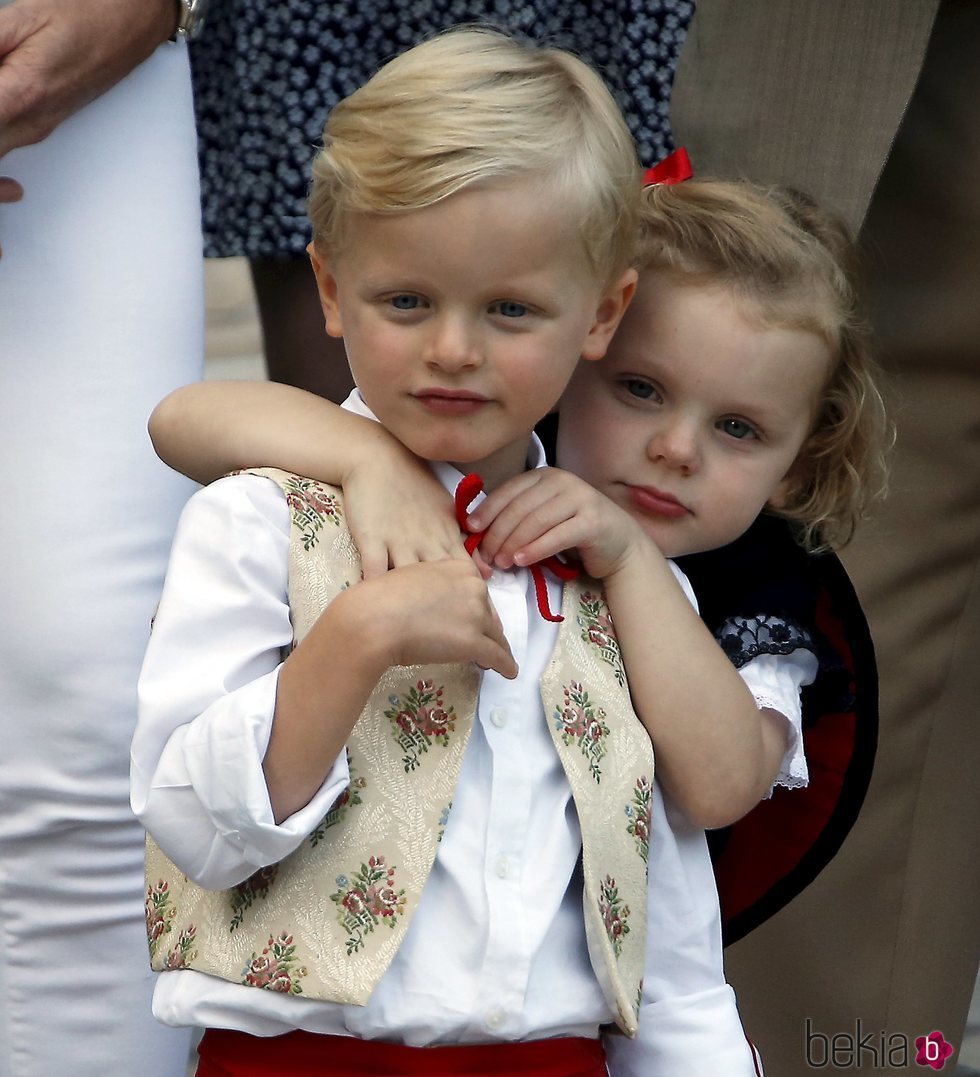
(469, 489)
(674, 168)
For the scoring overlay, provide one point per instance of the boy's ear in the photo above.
(326, 284)
(609, 313)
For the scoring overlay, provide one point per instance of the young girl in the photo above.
(739, 381)
(380, 858)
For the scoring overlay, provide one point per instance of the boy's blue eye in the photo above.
(405, 302)
(509, 309)
(737, 428)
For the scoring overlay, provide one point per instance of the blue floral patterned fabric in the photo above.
(266, 73)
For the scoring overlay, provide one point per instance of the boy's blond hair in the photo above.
(474, 105)
(791, 266)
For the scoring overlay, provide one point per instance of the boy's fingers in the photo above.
(505, 664)
(499, 659)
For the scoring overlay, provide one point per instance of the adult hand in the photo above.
(57, 55)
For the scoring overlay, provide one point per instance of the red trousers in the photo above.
(225, 1053)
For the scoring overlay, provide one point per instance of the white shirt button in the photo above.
(503, 867)
(498, 716)
(494, 1019)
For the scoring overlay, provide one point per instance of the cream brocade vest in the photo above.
(326, 921)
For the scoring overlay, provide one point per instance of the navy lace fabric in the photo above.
(745, 638)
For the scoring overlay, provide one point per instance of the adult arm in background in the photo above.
(56, 57)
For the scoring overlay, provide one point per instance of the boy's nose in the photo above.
(452, 346)
(676, 444)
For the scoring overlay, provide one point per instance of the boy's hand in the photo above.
(399, 513)
(545, 511)
(432, 612)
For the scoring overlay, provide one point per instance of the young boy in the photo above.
(473, 208)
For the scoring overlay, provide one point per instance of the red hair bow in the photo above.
(467, 491)
(675, 168)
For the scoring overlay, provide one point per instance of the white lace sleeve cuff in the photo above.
(775, 681)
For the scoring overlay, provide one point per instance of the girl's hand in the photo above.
(398, 511)
(546, 511)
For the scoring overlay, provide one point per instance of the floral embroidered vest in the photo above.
(327, 920)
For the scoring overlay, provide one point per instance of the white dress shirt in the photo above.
(496, 950)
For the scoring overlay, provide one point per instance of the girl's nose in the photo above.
(676, 444)
(453, 345)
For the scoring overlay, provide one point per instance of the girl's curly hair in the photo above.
(794, 267)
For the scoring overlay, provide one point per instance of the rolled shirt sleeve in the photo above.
(207, 691)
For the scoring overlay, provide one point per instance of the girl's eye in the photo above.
(641, 389)
(737, 428)
(509, 309)
(405, 302)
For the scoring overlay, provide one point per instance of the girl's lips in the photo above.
(655, 502)
(451, 401)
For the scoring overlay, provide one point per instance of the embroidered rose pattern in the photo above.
(419, 719)
(614, 913)
(244, 894)
(595, 620)
(277, 968)
(366, 901)
(581, 722)
(638, 813)
(183, 953)
(159, 912)
(310, 506)
(349, 798)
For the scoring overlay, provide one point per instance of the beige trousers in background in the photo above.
(878, 103)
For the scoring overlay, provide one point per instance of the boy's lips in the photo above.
(654, 502)
(450, 401)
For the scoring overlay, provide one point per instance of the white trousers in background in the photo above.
(100, 316)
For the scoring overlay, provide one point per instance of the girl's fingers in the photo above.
(374, 559)
(494, 503)
(529, 526)
(510, 517)
(485, 570)
(434, 548)
(565, 536)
